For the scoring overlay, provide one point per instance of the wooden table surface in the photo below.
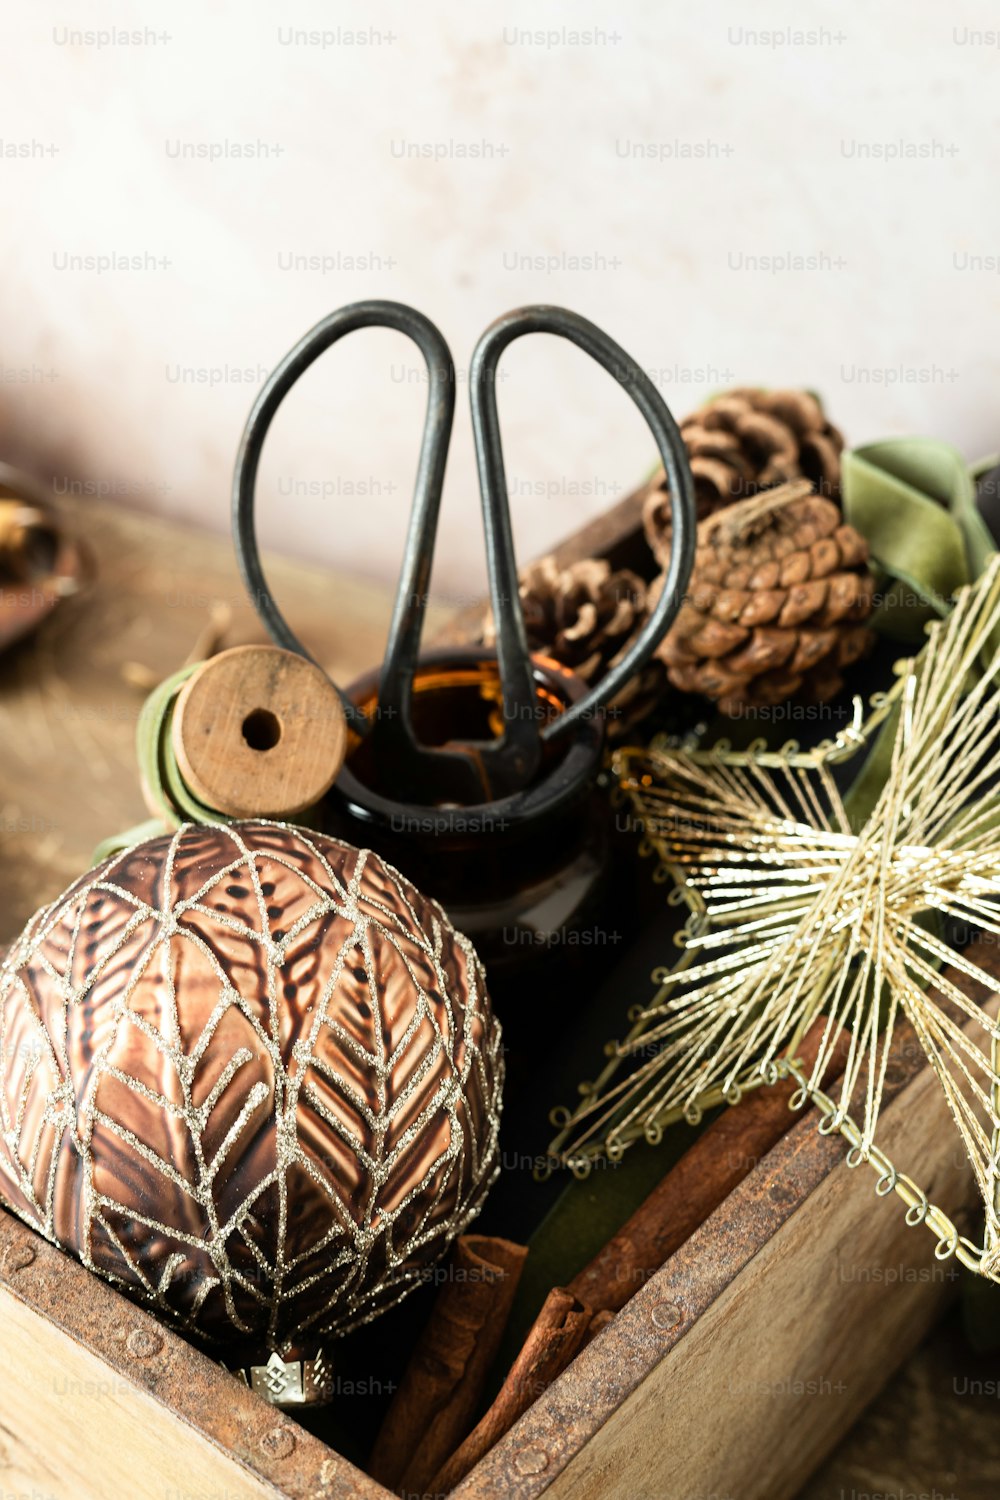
(69, 699)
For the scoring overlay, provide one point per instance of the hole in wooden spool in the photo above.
(261, 729)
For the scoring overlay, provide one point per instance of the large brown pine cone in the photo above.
(775, 604)
(744, 441)
(582, 615)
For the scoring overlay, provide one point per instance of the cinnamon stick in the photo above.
(443, 1383)
(556, 1336)
(598, 1321)
(705, 1175)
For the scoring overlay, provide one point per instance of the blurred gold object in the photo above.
(39, 563)
(29, 542)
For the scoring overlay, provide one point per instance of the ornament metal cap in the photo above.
(292, 1383)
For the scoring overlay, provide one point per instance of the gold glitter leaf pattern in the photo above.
(251, 1076)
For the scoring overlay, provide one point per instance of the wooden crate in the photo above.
(731, 1373)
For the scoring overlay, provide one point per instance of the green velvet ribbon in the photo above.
(162, 780)
(914, 500)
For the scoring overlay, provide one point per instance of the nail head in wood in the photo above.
(19, 1258)
(531, 1461)
(144, 1343)
(666, 1315)
(259, 732)
(279, 1442)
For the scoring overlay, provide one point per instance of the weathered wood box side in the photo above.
(732, 1372)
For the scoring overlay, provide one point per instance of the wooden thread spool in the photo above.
(259, 732)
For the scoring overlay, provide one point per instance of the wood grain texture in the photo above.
(259, 732)
(799, 1343)
(94, 1424)
(98, 1400)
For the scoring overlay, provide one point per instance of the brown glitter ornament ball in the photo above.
(250, 1075)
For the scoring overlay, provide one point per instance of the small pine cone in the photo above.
(776, 603)
(636, 700)
(584, 615)
(743, 442)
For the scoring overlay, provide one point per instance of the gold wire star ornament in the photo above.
(796, 914)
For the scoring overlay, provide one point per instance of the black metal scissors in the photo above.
(507, 764)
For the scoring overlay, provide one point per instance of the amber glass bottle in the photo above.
(521, 875)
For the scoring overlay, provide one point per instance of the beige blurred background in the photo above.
(788, 193)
